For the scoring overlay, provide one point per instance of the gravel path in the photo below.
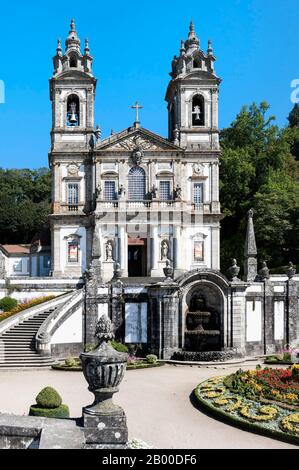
(156, 401)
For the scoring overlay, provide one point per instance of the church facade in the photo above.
(136, 219)
(150, 199)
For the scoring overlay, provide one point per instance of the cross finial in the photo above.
(137, 106)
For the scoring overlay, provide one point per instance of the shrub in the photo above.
(71, 361)
(61, 411)
(48, 398)
(203, 355)
(120, 347)
(89, 347)
(7, 304)
(286, 357)
(20, 307)
(151, 358)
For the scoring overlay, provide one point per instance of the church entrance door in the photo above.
(137, 257)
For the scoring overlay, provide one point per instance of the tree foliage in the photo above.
(24, 203)
(259, 170)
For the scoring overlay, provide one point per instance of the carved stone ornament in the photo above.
(137, 142)
(198, 169)
(137, 156)
(73, 169)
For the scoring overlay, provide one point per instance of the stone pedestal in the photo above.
(105, 429)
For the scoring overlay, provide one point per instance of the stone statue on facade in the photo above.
(291, 271)
(121, 191)
(98, 191)
(154, 191)
(164, 250)
(109, 251)
(178, 192)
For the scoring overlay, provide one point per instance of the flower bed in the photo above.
(264, 401)
(24, 305)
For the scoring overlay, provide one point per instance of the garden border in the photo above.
(240, 422)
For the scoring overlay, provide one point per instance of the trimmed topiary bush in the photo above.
(61, 411)
(7, 304)
(151, 358)
(48, 398)
(49, 405)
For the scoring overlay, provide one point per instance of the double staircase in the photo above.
(17, 344)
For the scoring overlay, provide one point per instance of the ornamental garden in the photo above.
(263, 400)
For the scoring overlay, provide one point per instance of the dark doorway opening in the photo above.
(137, 257)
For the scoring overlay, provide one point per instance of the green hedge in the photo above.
(61, 411)
(8, 303)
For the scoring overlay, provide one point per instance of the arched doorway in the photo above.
(204, 306)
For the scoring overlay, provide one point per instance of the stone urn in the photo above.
(168, 270)
(104, 370)
(233, 270)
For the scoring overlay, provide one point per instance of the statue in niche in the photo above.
(98, 191)
(178, 192)
(154, 191)
(121, 191)
(164, 250)
(109, 251)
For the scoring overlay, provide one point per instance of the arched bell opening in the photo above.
(73, 111)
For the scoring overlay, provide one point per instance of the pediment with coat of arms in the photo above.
(144, 141)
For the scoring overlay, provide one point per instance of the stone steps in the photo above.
(17, 345)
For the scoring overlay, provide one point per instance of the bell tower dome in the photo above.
(72, 92)
(192, 96)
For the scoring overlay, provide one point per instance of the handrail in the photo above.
(54, 320)
(28, 312)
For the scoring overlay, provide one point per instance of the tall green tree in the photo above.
(24, 203)
(258, 170)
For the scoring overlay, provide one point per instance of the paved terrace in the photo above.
(156, 401)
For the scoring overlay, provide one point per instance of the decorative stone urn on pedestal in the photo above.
(104, 422)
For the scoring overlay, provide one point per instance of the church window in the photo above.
(196, 63)
(73, 196)
(198, 111)
(73, 111)
(109, 190)
(164, 190)
(73, 251)
(198, 193)
(137, 182)
(73, 61)
(198, 248)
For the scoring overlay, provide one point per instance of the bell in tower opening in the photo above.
(72, 116)
(198, 111)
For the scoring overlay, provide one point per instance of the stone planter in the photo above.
(104, 368)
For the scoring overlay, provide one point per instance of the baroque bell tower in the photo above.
(72, 93)
(192, 96)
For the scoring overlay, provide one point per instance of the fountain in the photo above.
(202, 330)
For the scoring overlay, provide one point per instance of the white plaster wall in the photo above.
(64, 183)
(102, 310)
(64, 232)
(136, 322)
(191, 234)
(71, 331)
(23, 296)
(253, 320)
(24, 263)
(278, 320)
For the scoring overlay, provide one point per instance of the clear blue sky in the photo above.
(256, 43)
